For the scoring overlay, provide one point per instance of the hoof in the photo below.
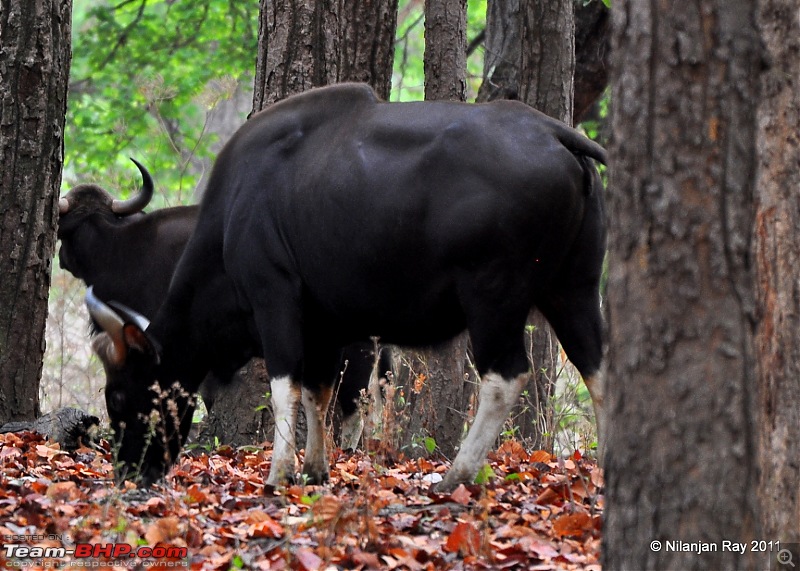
(278, 478)
(316, 478)
(449, 483)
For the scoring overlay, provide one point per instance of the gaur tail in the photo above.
(591, 178)
(584, 149)
(581, 145)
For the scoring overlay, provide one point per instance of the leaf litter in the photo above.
(537, 512)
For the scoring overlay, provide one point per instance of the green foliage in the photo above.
(485, 475)
(310, 500)
(144, 75)
(592, 127)
(267, 397)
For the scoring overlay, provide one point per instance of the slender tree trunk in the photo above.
(303, 45)
(446, 49)
(777, 245)
(592, 56)
(502, 60)
(682, 462)
(34, 68)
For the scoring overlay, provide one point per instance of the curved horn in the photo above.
(136, 203)
(109, 322)
(63, 205)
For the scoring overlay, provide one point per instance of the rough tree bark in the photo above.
(548, 56)
(445, 62)
(301, 46)
(435, 407)
(681, 462)
(777, 247)
(367, 29)
(592, 56)
(320, 42)
(502, 59)
(34, 67)
(502, 56)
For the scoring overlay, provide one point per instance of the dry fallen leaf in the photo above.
(574, 525)
(464, 540)
(369, 516)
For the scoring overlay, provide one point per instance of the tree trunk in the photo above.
(33, 89)
(681, 461)
(592, 56)
(502, 60)
(446, 50)
(438, 391)
(297, 46)
(367, 29)
(503, 56)
(321, 42)
(439, 388)
(548, 56)
(301, 46)
(777, 245)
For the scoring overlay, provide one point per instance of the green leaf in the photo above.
(310, 500)
(429, 443)
(237, 562)
(485, 474)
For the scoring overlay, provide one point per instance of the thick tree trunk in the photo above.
(321, 42)
(34, 68)
(777, 245)
(682, 462)
(367, 29)
(438, 390)
(298, 44)
(503, 57)
(548, 56)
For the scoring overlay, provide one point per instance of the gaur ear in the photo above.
(138, 339)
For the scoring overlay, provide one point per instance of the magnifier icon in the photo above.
(785, 557)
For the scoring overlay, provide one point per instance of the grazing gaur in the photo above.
(333, 216)
(129, 257)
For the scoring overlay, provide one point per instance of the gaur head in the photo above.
(149, 414)
(87, 210)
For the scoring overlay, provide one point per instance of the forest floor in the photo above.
(377, 512)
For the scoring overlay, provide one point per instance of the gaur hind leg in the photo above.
(319, 375)
(499, 351)
(577, 322)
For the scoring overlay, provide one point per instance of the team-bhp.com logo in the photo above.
(23, 556)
